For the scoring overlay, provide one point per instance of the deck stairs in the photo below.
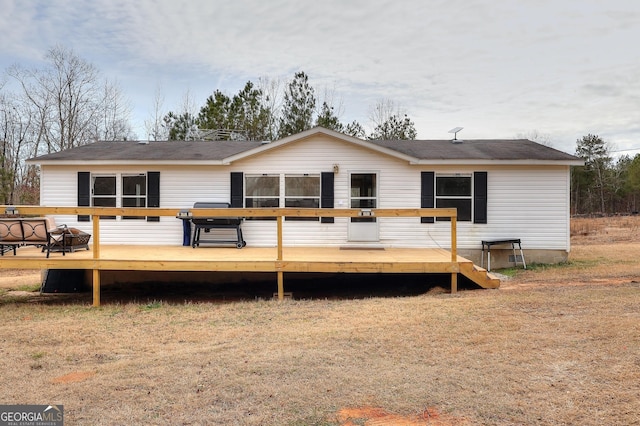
(479, 275)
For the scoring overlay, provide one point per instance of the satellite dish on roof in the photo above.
(455, 131)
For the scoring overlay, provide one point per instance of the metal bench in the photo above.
(512, 241)
(209, 224)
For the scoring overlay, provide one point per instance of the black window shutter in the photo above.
(84, 194)
(427, 198)
(326, 194)
(237, 182)
(480, 197)
(153, 193)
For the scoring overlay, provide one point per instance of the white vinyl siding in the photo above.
(531, 204)
(526, 202)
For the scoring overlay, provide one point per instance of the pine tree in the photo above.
(328, 120)
(299, 106)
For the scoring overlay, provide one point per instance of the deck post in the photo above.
(96, 236)
(454, 239)
(279, 272)
(279, 238)
(454, 254)
(96, 288)
(280, 285)
(96, 256)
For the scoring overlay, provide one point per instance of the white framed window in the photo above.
(283, 190)
(134, 192)
(103, 192)
(302, 191)
(130, 192)
(455, 191)
(262, 191)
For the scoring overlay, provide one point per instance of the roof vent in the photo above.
(145, 142)
(455, 131)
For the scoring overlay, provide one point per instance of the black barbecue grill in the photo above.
(209, 224)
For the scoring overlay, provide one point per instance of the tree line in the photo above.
(261, 112)
(60, 106)
(67, 103)
(604, 185)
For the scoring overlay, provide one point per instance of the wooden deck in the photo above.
(279, 259)
(254, 259)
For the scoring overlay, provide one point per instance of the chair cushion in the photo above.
(10, 230)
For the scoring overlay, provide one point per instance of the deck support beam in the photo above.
(280, 285)
(96, 257)
(454, 283)
(96, 287)
(279, 262)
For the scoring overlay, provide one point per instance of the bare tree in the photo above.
(113, 117)
(70, 103)
(17, 132)
(155, 130)
(390, 122)
(272, 99)
(382, 111)
(60, 106)
(536, 136)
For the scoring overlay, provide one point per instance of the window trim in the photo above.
(282, 196)
(246, 196)
(118, 196)
(469, 197)
(262, 197)
(317, 197)
(137, 197)
(114, 196)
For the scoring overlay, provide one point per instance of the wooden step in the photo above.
(479, 275)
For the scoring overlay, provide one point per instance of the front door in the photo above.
(363, 195)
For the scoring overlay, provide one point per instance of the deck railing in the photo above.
(279, 213)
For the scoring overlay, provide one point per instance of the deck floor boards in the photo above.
(134, 257)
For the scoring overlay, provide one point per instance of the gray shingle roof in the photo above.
(153, 151)
(482, 149)
(419, 150)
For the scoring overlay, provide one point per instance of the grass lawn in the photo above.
(554, 345)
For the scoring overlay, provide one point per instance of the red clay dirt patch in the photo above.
(374, 416)
(77, 376)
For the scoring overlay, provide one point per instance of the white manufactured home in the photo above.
(502, 189)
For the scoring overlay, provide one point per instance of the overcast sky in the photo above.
(498, 68)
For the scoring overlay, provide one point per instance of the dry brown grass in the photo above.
(604, 230)
(556, 345)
